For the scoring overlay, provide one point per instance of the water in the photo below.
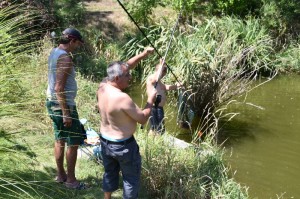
(262, 144)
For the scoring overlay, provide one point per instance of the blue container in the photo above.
(97, 152)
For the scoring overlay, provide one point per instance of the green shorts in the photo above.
(73, 135)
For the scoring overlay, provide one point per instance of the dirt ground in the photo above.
(109, 17)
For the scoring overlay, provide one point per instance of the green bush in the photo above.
(69, 12)
(240, 8)
(288, 58)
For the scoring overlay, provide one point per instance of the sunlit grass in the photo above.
(195, 172)
(26, 140)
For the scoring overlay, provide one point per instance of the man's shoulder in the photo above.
(151, 78)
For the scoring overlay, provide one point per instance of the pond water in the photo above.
(263, 142)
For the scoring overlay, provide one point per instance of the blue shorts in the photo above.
(121, 156)
(157, 120)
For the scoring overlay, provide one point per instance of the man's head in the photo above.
(161, 68)
(118, 72)
(71, 34)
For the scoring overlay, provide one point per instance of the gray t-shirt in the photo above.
(71, 84)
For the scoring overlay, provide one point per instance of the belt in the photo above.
(120, 143)
(70, 107)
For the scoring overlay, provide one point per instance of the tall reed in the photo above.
(217, 60)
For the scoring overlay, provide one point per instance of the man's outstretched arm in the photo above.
(132, 62)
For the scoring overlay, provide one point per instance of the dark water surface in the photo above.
(263, 141)
(264, 144)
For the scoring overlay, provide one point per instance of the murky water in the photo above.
(263, 144)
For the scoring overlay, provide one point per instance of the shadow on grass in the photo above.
(9, 145)
(40, 184)
(99, 20)
(23, 176)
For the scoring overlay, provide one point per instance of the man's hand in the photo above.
(148, 50)
(179, 85)
(67, 121)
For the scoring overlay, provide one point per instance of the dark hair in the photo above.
(70, 34)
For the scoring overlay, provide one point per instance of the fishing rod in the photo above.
(158, 97)
(168, 47)
(143, 33)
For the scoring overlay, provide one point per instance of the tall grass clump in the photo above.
(217, 60)
(288, 58)
(16, 49)
(172, 172)
(13, 47)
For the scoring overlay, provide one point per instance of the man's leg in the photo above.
(71, 157)
(59, 149)
(131, 171)
(160, 121)
(111, 170)
(107, 195)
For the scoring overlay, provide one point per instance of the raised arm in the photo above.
(139, 115)
(132, 62)
(174, 87)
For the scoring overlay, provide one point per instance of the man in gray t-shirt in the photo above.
(61, 93)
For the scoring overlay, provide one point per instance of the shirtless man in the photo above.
(157, 112)
(119, 118)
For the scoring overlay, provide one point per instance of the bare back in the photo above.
(119, 114)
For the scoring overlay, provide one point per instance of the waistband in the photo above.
(159, 107)
(127, 141)
(53, 103)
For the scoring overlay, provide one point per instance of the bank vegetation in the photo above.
(219, 50)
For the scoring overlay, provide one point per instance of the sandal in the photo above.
(60, 180)
(76, 185)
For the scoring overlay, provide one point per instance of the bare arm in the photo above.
(171, 87)
(174, 87)
(63, 69)
(132, 62)
(139, 115)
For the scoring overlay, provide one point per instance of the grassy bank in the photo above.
(26, 137)
(26, 155)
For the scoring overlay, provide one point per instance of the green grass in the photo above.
(27, 166)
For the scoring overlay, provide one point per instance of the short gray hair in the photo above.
(115, 69)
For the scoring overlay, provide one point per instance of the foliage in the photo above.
(51, 14)
(172, 172)
(288, 58)
(140, 10)
(136, 44)
(234, 7)
(220, 60)
(12, 34)
(281, 17)
(217, 60)
(69, 12)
